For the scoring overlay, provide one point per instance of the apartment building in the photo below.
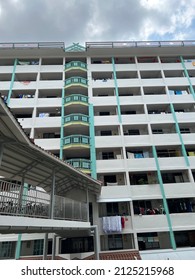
(124, 113)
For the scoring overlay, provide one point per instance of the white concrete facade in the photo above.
(143, 100)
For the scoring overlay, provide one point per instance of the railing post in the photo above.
(20, 203)
(52, 199)
(45, 246)
(87, 200)
(53, 247)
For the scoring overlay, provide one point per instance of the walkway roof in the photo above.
(19, 157)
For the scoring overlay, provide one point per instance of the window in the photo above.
(108, 155)
(5, 249)
(172, 178)
(184, 130)
(133, 132)
(76, 245)
(38, 247)
(106, 132)
(109, 179)
(147, 241)
(115, 242)
(104, 113)
(129, 112)
(157, 131)
(48, 135)
(112, 209)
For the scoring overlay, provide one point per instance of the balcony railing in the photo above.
(75, 65)
(76, 118)
(75, 99)
(14, 201)
(80, 163)
(130, 44)
(76, 140)
(69, 209)
(76, 81)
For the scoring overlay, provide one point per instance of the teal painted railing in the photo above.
(76, 80)
(76, 139)
(80, 163)
(187, 76)
(12, 82)
(75, 64)
(172, 238)
(180, 136)
(76, 98)
(76, 118)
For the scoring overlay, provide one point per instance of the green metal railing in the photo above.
(75, 64)
(76, 140)
(80, 163)
(76, 118)
(76, 81)
(75, 98)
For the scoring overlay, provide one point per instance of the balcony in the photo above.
(76, 141)
(76, 119)
(150, 223)
(22, 103)
(83, 164)
(75, 82)
(48, 144)
(134, 119)
(75, 65)
(76, 99)
(110, 165)
(183, 220)
(36, 204)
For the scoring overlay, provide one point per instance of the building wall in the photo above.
(141, 103)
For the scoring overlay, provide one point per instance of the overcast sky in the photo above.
(96, 20)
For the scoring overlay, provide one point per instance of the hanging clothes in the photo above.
(112, 224)
(123, 222)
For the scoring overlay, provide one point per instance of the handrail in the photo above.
(76, 139)
(36, 204)
(76, 80)
(80, 163)
(127, 44)
(32, 45)
(76, 118)
(76, 98)
(73, 64)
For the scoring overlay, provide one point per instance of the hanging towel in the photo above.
(112, 224)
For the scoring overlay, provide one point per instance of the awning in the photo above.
(19, 157)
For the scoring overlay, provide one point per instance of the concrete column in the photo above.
(19, 242)
(52, 199)
(96, 243)
(132, 220)
(54, 247)
(87, 201)
(45, 246)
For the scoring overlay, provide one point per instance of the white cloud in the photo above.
(83, 20)
(153, 4)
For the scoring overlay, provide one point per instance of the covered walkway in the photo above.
(26, 209)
